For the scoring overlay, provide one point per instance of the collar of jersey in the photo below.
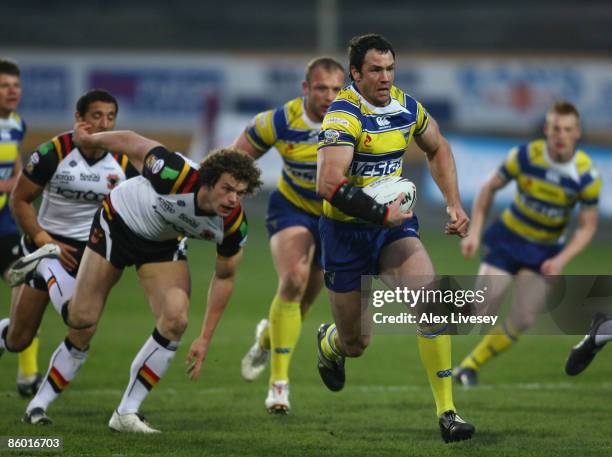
(310, 123)
(10, 122)
(565, 168)
(392, 108)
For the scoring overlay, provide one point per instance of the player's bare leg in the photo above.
(167, 288)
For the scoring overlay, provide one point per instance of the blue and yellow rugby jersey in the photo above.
(294, 135)
(546, 191)
(379, 136)
(12, 131)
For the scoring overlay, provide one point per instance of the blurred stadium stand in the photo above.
(288, 26)
(192, 73)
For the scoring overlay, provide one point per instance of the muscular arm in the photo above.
(332, 163)
(219, 293)
(444, 172)
(24, 193)
(133, 145)
(587, 225)
(245, 145)
(6, 185)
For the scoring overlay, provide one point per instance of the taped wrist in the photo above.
(354, 202)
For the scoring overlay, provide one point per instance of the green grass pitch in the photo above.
(525, 407)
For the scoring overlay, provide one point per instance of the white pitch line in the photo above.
(375, 388)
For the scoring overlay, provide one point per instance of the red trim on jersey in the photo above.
(189, 184)
(232, 216)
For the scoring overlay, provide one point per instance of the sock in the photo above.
(285, 327)
(65, 363)
(147, 368)
(329, 344)
(264, 338)
(28, 360)
(604, 333)
(500, 339)
(4, 325)
(435, 351)
(59, 283)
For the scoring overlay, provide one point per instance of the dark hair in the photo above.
(8, 67)
(230, 160)
(95, 95)
(360, 45)
(564, 107)
(327, 63)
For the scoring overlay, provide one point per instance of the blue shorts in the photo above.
(511, 252)
(350, 249)
(282, 214)
(8, 226)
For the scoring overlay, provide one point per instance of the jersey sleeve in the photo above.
(422, 120)
(263, 130)
(510, 168)
(169, 172)
(341, 125)
(590, 187)
(44, 161)
(127, 167)
(235, 228)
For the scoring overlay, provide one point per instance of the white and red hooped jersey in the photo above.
(74, 186)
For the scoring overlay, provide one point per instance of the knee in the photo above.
(18, 342)
(355, 347)
(81, 320)
(293, 283)
(173, 327)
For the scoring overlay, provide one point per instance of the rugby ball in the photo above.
(386, 190)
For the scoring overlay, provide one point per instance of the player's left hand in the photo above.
(552, 267)
(459, 222)
(195, 358)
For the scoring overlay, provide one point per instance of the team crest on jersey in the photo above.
(331, 136)
(207, 235)
(112, 181)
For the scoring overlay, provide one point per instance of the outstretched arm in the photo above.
(219, 293)
(133, 145)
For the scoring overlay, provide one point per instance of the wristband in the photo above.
(355, 202)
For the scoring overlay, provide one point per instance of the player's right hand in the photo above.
(81, 133)
(395, 216)
(469, 245)
(67, 258)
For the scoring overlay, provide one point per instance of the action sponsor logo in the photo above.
(157, 166)
(150, 161)
(383, 121)
(337, 120)
(189, 221)
(89, 196)
(90, 177)
(374, 169)
(34, 158)
(166, 205)
(64, 177)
